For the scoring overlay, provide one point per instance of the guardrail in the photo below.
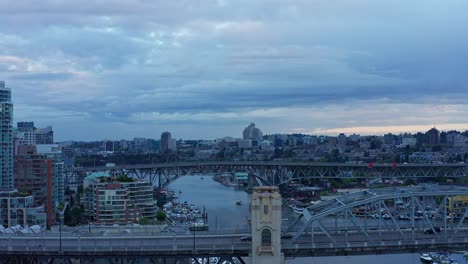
(215, 245)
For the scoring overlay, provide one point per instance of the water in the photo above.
(370, 259)
(219, 201)
(223, 213)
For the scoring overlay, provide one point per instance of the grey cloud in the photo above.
(117, 60)
(43, 76)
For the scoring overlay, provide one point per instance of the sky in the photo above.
(110, 69)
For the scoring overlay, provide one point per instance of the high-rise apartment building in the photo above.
(44, 135)
(6, 139)
(16, 208)
(35, 175)
(54, 153)
(167, 142)
(251, 132)
(26, 133)
(29, 135)
(433, 136)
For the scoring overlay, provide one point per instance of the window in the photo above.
(266, 238)
(265, 209)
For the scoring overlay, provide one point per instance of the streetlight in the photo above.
(57, 216)
(194, 231)
(60, 238)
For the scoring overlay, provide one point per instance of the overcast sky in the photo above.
(206, 68)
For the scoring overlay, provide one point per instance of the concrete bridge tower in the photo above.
(265, 213)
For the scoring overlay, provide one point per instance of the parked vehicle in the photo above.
(430, 231)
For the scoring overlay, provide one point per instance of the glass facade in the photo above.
(6, 139)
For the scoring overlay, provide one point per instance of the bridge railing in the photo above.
(88, 247)
(382, 244)
(122, 244)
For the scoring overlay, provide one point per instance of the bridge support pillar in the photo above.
(265, 213)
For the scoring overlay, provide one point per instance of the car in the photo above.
(286, 236)
(246, 238)
(430, 231)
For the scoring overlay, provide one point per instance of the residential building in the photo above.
(244, 143)
(25, 126)
(354, 138)
(409, 141)
(167, 142)
(433, 136)
(30, 135)
(27, 134)
(251, 132)
(54, 153)
(18, 209)
(15, 208)
(35, 175)
(341, 139)
(6, 139)
(111, 201)
(173, 144)
(44, 135)
(457, 140)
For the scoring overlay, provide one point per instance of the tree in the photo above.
(410, 182)
(124, 178)
(67, 216)
(144, 221)
(440, 179)
(72, 217)
(160, 216)
(397, 158)
(436, 148)
(375, 144)
(80, 189)
(221, 154)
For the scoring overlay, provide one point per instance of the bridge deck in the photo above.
(217, 245)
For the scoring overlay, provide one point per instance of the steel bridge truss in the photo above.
(65, 259)
(408, 214)
(276, 173)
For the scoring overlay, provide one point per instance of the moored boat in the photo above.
(198, 226)
(425, 258)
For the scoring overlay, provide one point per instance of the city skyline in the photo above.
(118, 69)
(361, 131)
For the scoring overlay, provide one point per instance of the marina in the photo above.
(437, 258)
(187, 215)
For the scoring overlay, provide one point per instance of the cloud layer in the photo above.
(203, 69)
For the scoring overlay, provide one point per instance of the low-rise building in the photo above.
(18, 209)
(118, 200)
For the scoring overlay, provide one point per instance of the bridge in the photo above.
(377, 221)
(276, 173)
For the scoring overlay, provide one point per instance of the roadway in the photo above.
(231, 244)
